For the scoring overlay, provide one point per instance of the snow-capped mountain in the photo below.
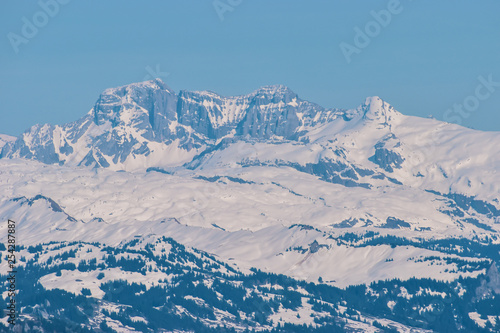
(373, 150)
(146, 124)
(266, 181)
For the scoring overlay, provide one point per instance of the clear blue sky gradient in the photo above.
(428, 57)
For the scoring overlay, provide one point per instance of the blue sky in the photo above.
(426, 57)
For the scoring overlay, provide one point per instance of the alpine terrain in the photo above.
(160, 211)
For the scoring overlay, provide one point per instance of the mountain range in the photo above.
(268, 182)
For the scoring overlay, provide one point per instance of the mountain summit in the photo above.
(218, 192)
(147, 125)
(146, 122)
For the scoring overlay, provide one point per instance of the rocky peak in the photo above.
(273, 94)
(376, 109)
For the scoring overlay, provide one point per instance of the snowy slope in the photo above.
(252, 169)
(4, 139)
(267, 181)
(257, 218)
(146, 125)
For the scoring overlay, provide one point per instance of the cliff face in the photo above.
(129, 122)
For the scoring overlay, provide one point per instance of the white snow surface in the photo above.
(247, 225)
(4, 139)
(257, 199)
